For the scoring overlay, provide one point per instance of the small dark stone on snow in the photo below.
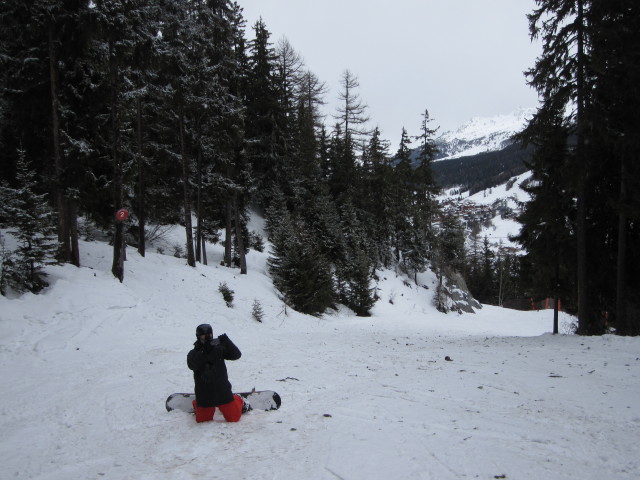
(448, 358)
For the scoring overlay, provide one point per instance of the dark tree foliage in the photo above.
(30, 220)
(164, 108)
(588, 68)
(484, 170)
(298, 266)
(546, 235)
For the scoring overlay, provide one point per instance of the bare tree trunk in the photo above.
(64, 246)
(621, 298)
(198, 239)
(240, 237)
(584, 324)
(187, 204)
(72, 221)
(228, 235)
(199, 243)
(556, 300)
(117, 268)
(142, 219)
(204, 252)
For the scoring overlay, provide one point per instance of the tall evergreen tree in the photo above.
(310, 97)
(402, 197)
(615, 54)
(546, 233)
(42, 46)
(426, 188)
(353, 265)
(289, 71)
(114, 21)
(587, 69)
(562, 78)
(377, 197)
(265, 142)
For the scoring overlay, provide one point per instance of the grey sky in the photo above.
(457, 58)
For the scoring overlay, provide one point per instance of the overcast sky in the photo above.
(457, 58)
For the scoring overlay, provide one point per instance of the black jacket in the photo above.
(210, 372)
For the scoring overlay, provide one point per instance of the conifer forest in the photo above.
(181, 113)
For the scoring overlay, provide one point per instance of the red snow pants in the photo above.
(231, 411)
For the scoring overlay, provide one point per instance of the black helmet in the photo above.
(204, 329)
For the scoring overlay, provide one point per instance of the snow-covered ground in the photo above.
(408, 393)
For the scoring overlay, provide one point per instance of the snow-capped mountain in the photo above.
(480, 135)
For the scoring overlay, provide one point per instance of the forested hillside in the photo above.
(483, 170)
(177, 112)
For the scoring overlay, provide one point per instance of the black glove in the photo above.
(213, 350)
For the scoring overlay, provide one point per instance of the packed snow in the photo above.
(408, 393)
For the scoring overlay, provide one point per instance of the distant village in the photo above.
(475, 217)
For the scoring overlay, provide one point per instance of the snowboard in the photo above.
(258, 400)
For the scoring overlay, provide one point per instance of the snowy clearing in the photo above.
(408, 393)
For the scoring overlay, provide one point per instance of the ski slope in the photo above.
(408, 393)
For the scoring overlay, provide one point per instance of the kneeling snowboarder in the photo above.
(212, 385)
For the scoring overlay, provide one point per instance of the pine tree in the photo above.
(423, 203)
(376, 198)
(265, 141)
(353, 264)
(112, 19)
(31, 222)
(448, 256)
(546, 233)
(616, 47)
(587, 68)
(42, 74)
(218, 132)
(562, 79)
(9, 274)
(144, 78)
(402, 197)
(289, 71)
(298, 267)
(425, 187)
(356, 290)
(310, 129)
(481, 277)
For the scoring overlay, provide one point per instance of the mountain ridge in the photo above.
(482, 134)
(481, 154)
